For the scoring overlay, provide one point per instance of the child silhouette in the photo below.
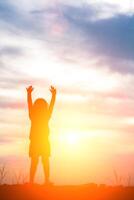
(39, 114)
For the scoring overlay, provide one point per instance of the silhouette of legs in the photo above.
(46, 167)
(33, 167)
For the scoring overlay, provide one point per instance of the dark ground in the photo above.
(82, 192)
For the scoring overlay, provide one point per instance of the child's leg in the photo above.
(46, 167)
(33, 167)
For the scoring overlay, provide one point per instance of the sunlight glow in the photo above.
(70, 138)
(69, 44)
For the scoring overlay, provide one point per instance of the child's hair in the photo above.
(40, 108)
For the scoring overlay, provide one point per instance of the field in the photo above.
(81, 192)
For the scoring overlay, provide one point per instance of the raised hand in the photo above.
(30, 89)
(53, 90)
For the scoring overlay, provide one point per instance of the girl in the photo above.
(39, 114)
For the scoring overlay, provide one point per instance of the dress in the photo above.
(39, 137)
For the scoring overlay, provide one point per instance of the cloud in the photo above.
(80, 38)
(20, 82)
(12, 104)
(111, 37)
(65, 27)
(73, 33)
(17, 21)
(10, 50)
(6, 141)
(9, 14)
(110, 40)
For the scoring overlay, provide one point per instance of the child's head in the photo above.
(40, 106)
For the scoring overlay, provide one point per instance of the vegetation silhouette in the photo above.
(40, 113)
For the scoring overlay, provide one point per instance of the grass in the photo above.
(20, 191)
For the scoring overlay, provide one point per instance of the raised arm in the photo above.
(29, 99)
(53, 91)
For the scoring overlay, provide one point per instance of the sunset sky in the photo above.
(85, 48)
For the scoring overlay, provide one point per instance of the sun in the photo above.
(70, 138)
